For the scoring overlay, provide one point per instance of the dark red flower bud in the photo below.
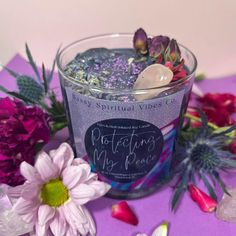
(140, 41)
(172, 52)
(158, 45)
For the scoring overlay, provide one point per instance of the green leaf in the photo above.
(180, 189)
(203, 117)
(3, 89)
(58, 126)
(45, 81)
(11, 72)
(177, 196)
(59, 118)
(220, 181)
(32, 63)
(200, 77)
(229, 162)
(192, 176)
(224, 132)
(57, 106)
(208, 185)
(50, 76)
(17, 95)
(29, 88)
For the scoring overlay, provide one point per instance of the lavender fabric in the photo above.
(152, 210)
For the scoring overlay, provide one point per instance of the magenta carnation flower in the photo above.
(21, 129)
(53, 197)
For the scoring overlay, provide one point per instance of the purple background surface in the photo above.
(152, 210)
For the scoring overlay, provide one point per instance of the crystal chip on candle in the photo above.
(153, 76)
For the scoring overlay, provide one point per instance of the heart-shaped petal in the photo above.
(123, 212)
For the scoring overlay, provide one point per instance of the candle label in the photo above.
(123, 150)
(129, 144)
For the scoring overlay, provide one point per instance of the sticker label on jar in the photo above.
(127, 143)
(123, 150)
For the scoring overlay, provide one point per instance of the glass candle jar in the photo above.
(127, 141)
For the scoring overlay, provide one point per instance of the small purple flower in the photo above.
(172, 52)
(158, 45)
(140, 41)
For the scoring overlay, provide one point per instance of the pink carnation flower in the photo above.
(53, 197)
(21, 129)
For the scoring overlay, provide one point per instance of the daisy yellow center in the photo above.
(54, 193)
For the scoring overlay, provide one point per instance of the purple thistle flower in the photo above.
(172, 52)
(140, 41)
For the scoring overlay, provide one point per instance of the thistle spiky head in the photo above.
(202, 152)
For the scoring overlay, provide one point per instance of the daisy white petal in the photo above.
(46, 168)
(100, 188)
(72, 232)
(161, 230)
(41, 230)
(29, 217)
(30, 173)
(52, 153)
(15, 192)
(45, 213)
(63, 156)
(85, 167)
(92, 177)
(79, 161)
(92, 226)
(23, 206)
(30, 191)
(82, 193)
(73, 213)
(141, 234)
(54, 190)
(71, 176)
(58, 226)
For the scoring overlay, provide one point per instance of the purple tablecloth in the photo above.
(152, 210)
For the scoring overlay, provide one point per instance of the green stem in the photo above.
(191, 117)
(58, 126)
